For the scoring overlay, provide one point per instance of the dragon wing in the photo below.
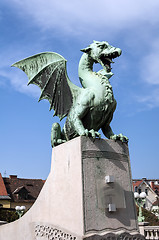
(48, 71)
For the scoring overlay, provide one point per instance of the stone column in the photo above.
(142, 227)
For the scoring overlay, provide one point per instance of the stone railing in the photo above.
(150, 232)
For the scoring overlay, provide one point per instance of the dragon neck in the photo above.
(87, 77)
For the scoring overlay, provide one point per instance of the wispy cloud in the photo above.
(149, 75)
(74, 16)
(13, 76)
(19, 82)
(150, 64)
(150, 101)
(104, 20)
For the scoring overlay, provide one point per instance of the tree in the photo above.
(149, 217)
(8, 215)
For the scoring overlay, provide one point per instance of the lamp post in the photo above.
(140, 199)
(20, 210)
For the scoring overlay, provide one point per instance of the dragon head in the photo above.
(103, 53)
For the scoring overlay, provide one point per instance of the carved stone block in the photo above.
(75, 201)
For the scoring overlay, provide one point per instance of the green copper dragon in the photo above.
(87, 109)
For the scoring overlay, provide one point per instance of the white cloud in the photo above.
(151, 100)
(15, 76)
(149, 74)
(109, 18)
(77, 15)
(19, 82)
(150, 64)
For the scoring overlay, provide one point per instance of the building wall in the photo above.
(150, 198)
(5, 203)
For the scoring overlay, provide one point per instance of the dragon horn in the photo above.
(86, 50)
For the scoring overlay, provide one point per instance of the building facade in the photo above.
(4, 197)
(151, 188)
(19, 191)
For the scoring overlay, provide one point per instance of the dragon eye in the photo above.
(102, 46)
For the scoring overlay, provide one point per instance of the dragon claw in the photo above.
(86, 132)
(120, 137)
(92, 133)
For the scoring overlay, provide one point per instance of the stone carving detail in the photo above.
(104, 154)
(113, 236)
(52, 233)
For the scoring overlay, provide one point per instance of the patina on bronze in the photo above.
(89, 108)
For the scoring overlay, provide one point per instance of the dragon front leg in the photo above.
(107, 131)
(94, 133)
(79, 110)
(56, 135)
(78, 125)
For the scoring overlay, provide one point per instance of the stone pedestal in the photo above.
(88, 194)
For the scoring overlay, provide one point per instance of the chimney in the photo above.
(152, 185)
(13, 176)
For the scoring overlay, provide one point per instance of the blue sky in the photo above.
(28, 27)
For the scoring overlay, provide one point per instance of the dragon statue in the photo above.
(87, 109)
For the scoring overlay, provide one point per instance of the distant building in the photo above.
(151, 188)
(19, 191)
(4, 197)
(155, 208)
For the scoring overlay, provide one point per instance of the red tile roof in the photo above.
(149, 182)
(156, 189)
(3, 191)
(30, 187)
(137, 183)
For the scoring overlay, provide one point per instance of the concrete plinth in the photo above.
(88, 194)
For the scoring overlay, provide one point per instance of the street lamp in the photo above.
(140, 199)
(20, 210)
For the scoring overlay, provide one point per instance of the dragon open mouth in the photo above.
(106, 60)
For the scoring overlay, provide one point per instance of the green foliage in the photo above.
(149, 217)
(8, 215)
(156, 212)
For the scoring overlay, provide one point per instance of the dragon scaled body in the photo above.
(88, 108)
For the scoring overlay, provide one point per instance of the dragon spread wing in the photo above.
(48, 71)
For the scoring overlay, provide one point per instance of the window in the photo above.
(135, 189)
(139, 190)
(146, 191)
(29, 184)
(23, 195)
